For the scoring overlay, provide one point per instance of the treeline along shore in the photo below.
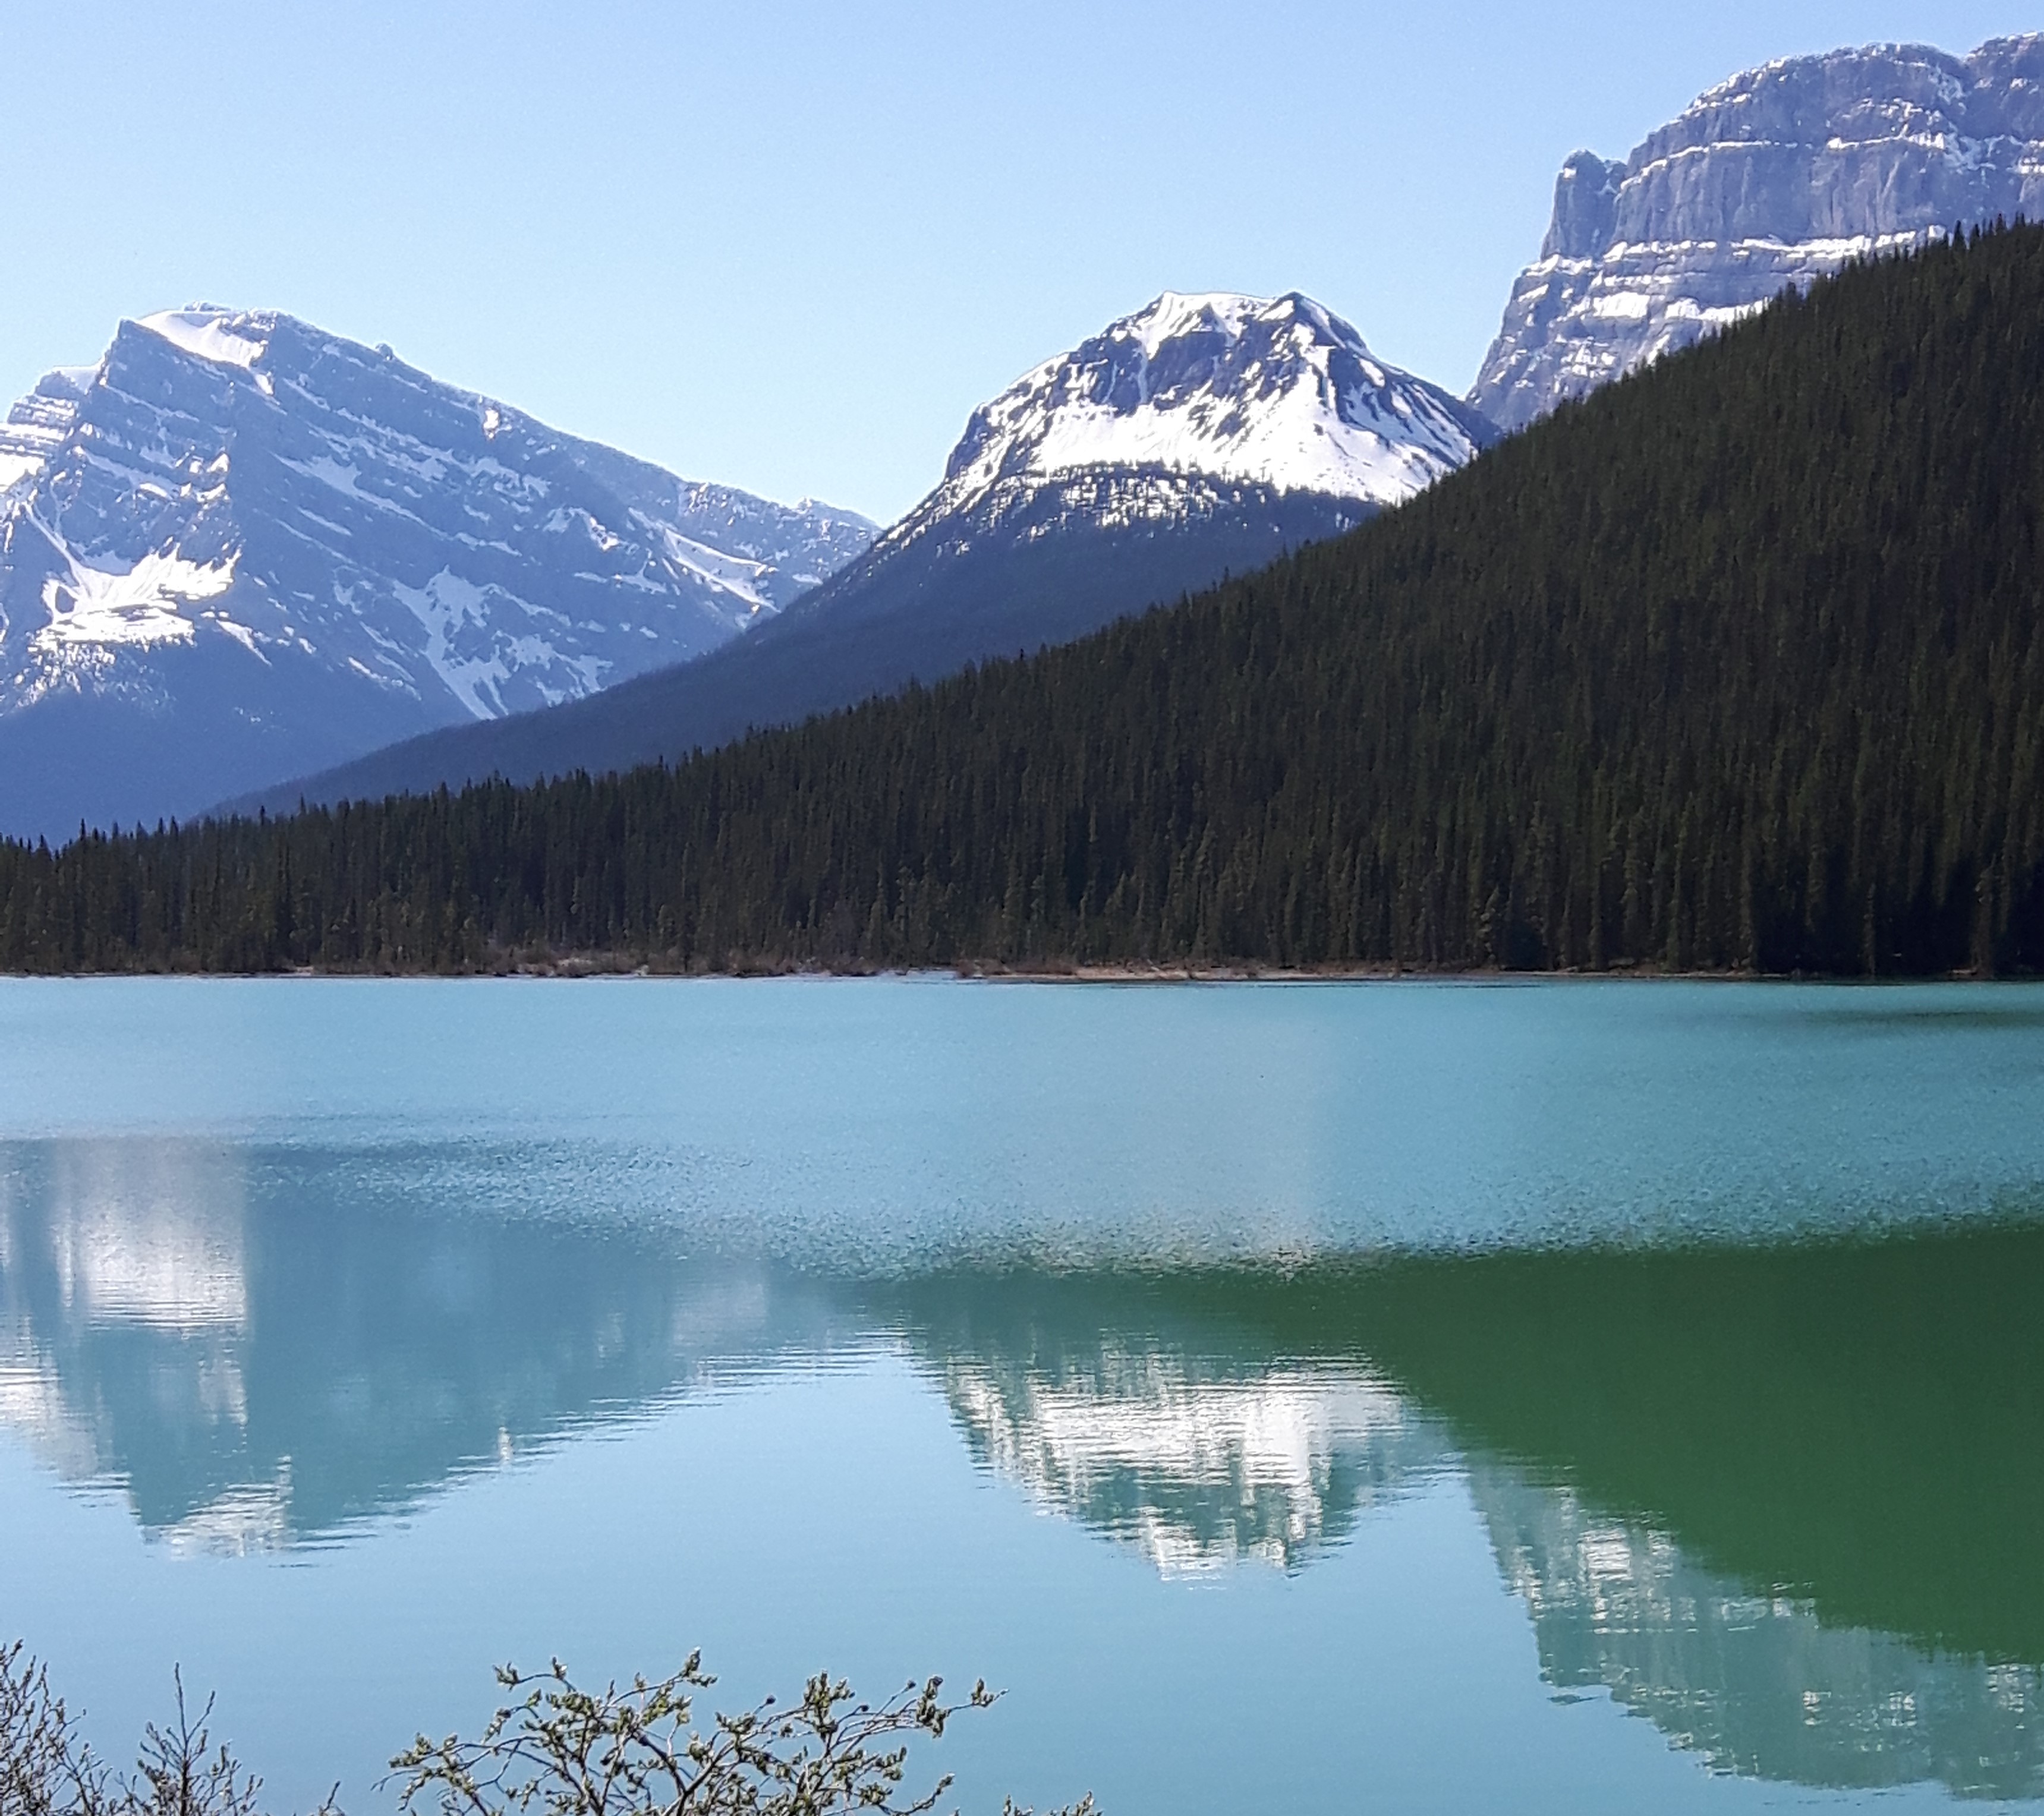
(1734, 666)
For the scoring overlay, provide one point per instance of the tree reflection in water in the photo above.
(1782, 1501)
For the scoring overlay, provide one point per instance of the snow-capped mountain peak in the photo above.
(1279, 392)
(240, 548)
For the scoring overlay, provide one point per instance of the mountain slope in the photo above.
(1779, 175)
(1202, 435)
(239, 546)
(1738, 663)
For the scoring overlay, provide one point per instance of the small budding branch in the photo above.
(552, 1750)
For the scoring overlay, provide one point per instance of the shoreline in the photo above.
(983, 971)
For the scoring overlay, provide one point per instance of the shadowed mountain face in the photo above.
(1049, 573)
(1776, 176)
(1782, 1501)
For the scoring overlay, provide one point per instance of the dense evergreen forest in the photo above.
(1735, 665)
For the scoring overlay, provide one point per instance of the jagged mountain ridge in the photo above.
(1202, 435)
(239, 546)
(1780, 174)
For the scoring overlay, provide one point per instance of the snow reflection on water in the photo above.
(1779, 1503)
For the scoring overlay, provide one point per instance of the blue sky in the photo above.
(789, 246)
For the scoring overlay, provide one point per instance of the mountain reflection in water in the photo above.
(257, 1363)
(1784, 1503)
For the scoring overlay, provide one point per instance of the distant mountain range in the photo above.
(1205, 434)
(1779, 175)
(238, 547)
(1201, 435)
(243, 561)
(1732, 667)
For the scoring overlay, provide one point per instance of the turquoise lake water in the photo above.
(1563, 1397)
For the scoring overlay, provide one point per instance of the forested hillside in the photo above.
(1041, 574)
(1733, 665)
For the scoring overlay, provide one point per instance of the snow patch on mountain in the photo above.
(1206, 434)
(455, 613)
(208, 333)
(113, 473)
(38, 423)
(138, 605)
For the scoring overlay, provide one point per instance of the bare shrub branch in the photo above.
(47, 1767)
(560, 1750)
(553, 1749)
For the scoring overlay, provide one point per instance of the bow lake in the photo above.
(1571, 1396)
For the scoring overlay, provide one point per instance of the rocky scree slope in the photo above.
(1201, 435)
(239, 547)
(1779, 175)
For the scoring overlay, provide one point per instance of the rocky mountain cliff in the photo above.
(1775, 177)
(239, 547)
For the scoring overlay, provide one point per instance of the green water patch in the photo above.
(1858, 1422)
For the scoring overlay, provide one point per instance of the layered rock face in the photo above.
(1777, 177)
(240, 548)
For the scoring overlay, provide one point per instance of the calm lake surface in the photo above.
(1574, 1397)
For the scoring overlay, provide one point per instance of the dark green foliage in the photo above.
(1735, 665)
